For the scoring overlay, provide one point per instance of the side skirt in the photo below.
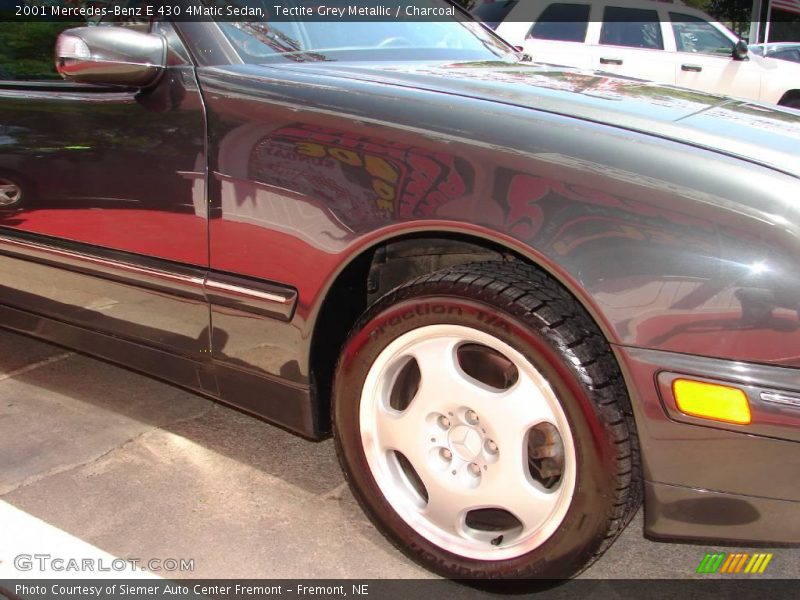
(280, 402)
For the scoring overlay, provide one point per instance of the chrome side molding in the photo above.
(245, 295)
(218, 289)
(783, 398)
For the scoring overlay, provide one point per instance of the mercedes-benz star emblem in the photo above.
(466, 442)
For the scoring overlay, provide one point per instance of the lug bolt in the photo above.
(475, 469)
(491, 446)
(444, 422)
(472, 417)
(446, 454)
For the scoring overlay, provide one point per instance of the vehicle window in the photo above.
(693, 34)
(631, 27)
(494, 13)
(563, 22)
(793, 55)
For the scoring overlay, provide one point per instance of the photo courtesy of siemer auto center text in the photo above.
(459, 299)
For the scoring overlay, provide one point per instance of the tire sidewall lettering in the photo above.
(388, 323)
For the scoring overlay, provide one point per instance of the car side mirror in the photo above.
(740, 50)
(110, 56)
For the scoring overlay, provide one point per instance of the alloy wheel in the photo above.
(10, 193)
(467, 442)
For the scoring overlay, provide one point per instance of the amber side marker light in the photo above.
(711, 401)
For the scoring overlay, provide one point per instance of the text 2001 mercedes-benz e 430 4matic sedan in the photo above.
(523, 298)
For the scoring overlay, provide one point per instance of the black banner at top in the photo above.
(333, 10)
(230, 10)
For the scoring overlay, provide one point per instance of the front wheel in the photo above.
(482, 423)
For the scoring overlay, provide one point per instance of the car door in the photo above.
(630, 41)
(103, 218)
(706, 59)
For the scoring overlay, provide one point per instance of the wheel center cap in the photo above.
(465, 442)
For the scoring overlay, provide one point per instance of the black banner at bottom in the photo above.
(234, 589)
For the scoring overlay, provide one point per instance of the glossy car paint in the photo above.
(707, 480)
(119, 55)
(668, 244)
(107, 170)
(659, 208)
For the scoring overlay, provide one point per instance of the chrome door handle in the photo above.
(695, 68)
(610, 61)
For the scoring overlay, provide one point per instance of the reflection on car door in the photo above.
(706, 59)
(104, 176)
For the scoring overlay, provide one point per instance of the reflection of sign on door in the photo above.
(363, 179)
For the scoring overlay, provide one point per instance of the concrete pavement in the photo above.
(103, 458)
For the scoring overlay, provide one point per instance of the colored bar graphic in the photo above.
(726, 566)
(755, 562)
(711, 562)
(741, 562)
(703, 564)
(763, 566)
(721, 562)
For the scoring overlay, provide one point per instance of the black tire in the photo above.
(793, 103)
(526, 309)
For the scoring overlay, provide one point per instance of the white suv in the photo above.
(660, 41)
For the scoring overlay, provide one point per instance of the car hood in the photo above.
(756, 132)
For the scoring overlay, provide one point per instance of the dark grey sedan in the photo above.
(523, 298)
